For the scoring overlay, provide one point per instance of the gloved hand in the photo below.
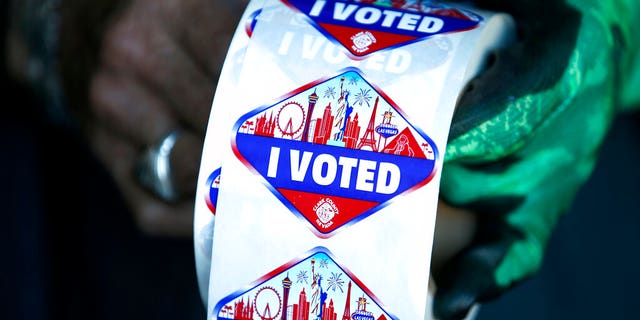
(526, 134)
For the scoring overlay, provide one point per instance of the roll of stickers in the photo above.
(322, 159)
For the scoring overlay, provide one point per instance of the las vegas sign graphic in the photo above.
(335, 151)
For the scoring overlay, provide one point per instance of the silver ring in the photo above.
(153, 170)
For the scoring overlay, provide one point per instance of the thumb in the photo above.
(469, 277)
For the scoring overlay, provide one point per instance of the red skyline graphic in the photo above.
(245, 309)
(318, 299)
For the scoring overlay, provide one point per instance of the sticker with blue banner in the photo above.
(335, 151)
(312, 287)
(213, 183)
(364, 27)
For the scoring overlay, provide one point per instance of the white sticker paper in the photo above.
(323, 155)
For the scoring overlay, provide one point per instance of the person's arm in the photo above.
(124, 74)
(526, 136)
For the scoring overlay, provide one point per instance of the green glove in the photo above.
(526, 135)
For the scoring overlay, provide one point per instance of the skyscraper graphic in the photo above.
(243, 311)
(313, 98)
(328, 311)
(301, 309)
(265, 127)
(323, 127)
(351, 133)
(286, 286)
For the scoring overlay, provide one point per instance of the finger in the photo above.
(152, 216)
(135, 114)
(454, 231)
(143, 49)
(205, 29)
(129, 109)
(465, 281)
(185, 163)
(469, 277)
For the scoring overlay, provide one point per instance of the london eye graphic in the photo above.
(268, 303)
(290, 119)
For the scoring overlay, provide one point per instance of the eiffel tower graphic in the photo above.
(369, 138)
(347, 310)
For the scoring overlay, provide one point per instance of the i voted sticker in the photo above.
(335, 151)
(364, 28)
(213, 185)
(314, 287)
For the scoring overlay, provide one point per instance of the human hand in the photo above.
(146, 69)
(525, 137)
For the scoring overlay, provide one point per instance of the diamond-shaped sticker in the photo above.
(314, 287)
(211, 197)
(335, 151)
(363, 27)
